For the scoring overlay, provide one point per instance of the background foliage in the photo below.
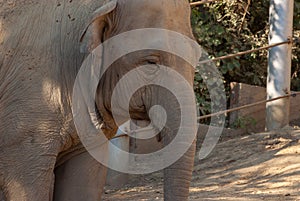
(231, 26)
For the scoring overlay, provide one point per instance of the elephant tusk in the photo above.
(139, 131)
(119, 136)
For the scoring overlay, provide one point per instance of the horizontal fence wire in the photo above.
(293, 94)
(244, 52)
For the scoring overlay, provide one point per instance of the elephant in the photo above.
(43, 44)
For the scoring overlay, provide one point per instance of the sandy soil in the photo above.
(263, 166)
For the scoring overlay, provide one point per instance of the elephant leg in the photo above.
(80, 178)
(28, 178)
(52, 187)
(2, 198)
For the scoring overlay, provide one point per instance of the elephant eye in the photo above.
(152, 60)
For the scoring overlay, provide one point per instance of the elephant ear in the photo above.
(92, 35)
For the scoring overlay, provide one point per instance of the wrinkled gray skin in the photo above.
(39, 60)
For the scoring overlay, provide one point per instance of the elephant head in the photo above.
(124, 16)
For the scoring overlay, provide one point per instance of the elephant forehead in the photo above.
(155, 13)
(156, 4)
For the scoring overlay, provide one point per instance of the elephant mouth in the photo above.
(107, 124)
(141, 121)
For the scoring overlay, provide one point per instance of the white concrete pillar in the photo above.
(279, 69)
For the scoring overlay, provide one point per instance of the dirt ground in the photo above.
(264, 166)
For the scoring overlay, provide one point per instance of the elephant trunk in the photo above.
(178, 176)
(179, 134)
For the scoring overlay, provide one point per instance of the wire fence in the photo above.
(294, 94)
(288, 41)
(245, 52)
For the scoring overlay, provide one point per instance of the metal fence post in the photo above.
(279, 69)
